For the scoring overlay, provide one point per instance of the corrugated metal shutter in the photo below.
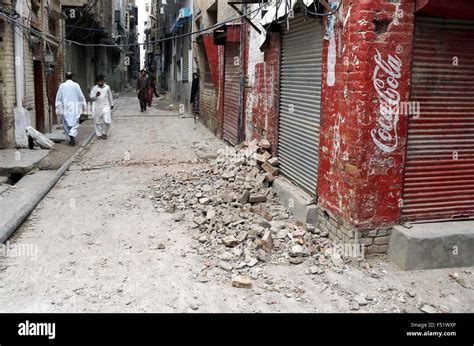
(300, 102)
(231, 92)
(186, 48)
(439, 177)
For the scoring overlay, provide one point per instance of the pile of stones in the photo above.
(237, 216)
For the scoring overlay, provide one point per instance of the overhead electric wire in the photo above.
(126, 45)
(316, 14)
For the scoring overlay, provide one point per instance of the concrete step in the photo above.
(17, 199)
(433, 245)
(295, 200)
(20, 161)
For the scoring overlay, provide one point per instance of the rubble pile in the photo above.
(238, 215)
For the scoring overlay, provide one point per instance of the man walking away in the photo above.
(151, 90)
(142, 88)
(70, 102)
(104, 103)
(195, 96)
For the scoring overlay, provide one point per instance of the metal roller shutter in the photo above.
(231, 92)
(439, 176)
(300, 102)
(186, 48)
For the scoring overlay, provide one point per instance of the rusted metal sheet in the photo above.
(231, 92)
(439, 176)
(300, 101)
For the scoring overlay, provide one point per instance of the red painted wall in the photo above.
(266, 93)
(212, 52)
(215, 57)
(362, 146)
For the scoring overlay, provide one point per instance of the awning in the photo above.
(184, 14)
(275, 13)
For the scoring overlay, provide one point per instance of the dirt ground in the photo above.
(99, 244)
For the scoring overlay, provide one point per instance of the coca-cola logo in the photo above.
(387, 74)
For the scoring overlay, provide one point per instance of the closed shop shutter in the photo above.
(231, 92)
(300, 102)
(186, 48)
(439, 174)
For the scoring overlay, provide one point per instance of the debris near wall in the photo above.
(39, 138)
(239, 219)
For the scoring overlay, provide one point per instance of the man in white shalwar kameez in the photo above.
(104, 103)
(70, 102)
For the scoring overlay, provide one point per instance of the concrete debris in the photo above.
(226, 266)
(460, 280)
(429, 309)
(257, 198)
(295, 260)
(178, 217)
(274, 161)
(360, 300)
(267, 241)
(242, 281)
(238, 220)
(296, 251)
(410, 293)
(354, 305)
(265, 144)
(39, 138)
(336, 259)
(230, 241)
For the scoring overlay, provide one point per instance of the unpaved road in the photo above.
(99, 240)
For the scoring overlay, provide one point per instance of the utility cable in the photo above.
(126, 45)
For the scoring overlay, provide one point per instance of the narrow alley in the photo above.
(104, 245)
(176, 170)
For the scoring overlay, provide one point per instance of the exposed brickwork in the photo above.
(207, 111)
(264, 93)
(358, 181)
(374, 241)
(7, 81)
(7, 75)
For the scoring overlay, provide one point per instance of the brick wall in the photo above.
(7, 77)
(211, 96)
(360, 182)
(208, 110)
(29, 90)
(375, 241)
(7, 80)
(264, 93)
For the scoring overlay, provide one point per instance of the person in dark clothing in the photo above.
(143, 83)
(151, 91)
(195, 96)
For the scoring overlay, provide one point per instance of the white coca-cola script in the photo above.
(387, 74)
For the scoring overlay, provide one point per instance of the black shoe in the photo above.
(72, 141)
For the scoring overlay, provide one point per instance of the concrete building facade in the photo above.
(33, 74)
(111, 24)
(170, 60)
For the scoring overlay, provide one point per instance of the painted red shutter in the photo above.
(439, 177)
